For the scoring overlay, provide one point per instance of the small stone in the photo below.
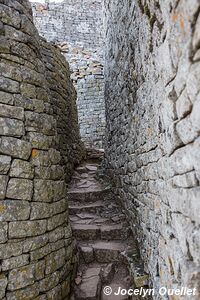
(108, 273)
(26, 275)
(15, 147)
(4, 164)
(21, 169)
(8, 111)
(3, 232)
(27, 293)
(43, 190)
(27, 228)
(3, 185)
(20, 189)
(87, 253)
(11, 127)
(3, 285)
(15, 262)
(11, 210)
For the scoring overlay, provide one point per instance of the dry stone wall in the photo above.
(39, 145)
(77, 28)
(152, 77)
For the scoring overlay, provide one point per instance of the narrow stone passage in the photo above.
(102, 234)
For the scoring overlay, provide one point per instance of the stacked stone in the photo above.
(77, 28)
(37, 104)
(153, 149)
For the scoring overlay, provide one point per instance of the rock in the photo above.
(11, 127)
(54, 261)
(3, 285)
(26, 275)
(87, 253)
(108, 273)
(3, 186)
(27, 228)
(11, 112)
(43, 190)
(90, 287)
(20, 189)
(3, 232)
(15, 262)
(5, 162)
(22, 169)
(15, 147)
(11, 210)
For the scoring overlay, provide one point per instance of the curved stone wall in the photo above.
(77, 28)
(39, 145)
(152, 76)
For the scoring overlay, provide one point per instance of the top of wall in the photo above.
(75, 22)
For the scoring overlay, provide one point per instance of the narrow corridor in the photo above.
(102, 233)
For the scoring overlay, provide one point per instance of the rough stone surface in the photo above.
(77, 28)
(39, 146)
(152, 152)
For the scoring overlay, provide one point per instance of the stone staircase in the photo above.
(102, 234)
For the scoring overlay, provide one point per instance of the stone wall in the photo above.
(39, 145)
(77, 28)
(152, 76)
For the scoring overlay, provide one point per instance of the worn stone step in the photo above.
(90, 286)
(86, 232)
(85, 208)
(89, 195)
(105, 251)
(94, 232)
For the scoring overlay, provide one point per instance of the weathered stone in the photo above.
(27, 293)
(43, 190)
(59, 190)
(3, 186)
(40, 141)
(28, 90)
(10, 249)
(56, 221)
(6, 98)
(55, 293)
(87, 253)
(33, 243)
(11, 127)
(49, 282)
(11, 210)
(40, 158)
(3, 285)
(21, 168)
(54, 261)
(20, 189)
(41, 252)
(11, 112)
(26, 275)
(8, 85)
(56, 234)
(27, 228)
(15, 147)
(15, 262)
(41, 211)
(3, 232)
(40, 122)
(4, 164)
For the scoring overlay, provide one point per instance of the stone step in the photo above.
(94, 232)
(104, 251)
(89, 195)
(85, 208)
(90, 285)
